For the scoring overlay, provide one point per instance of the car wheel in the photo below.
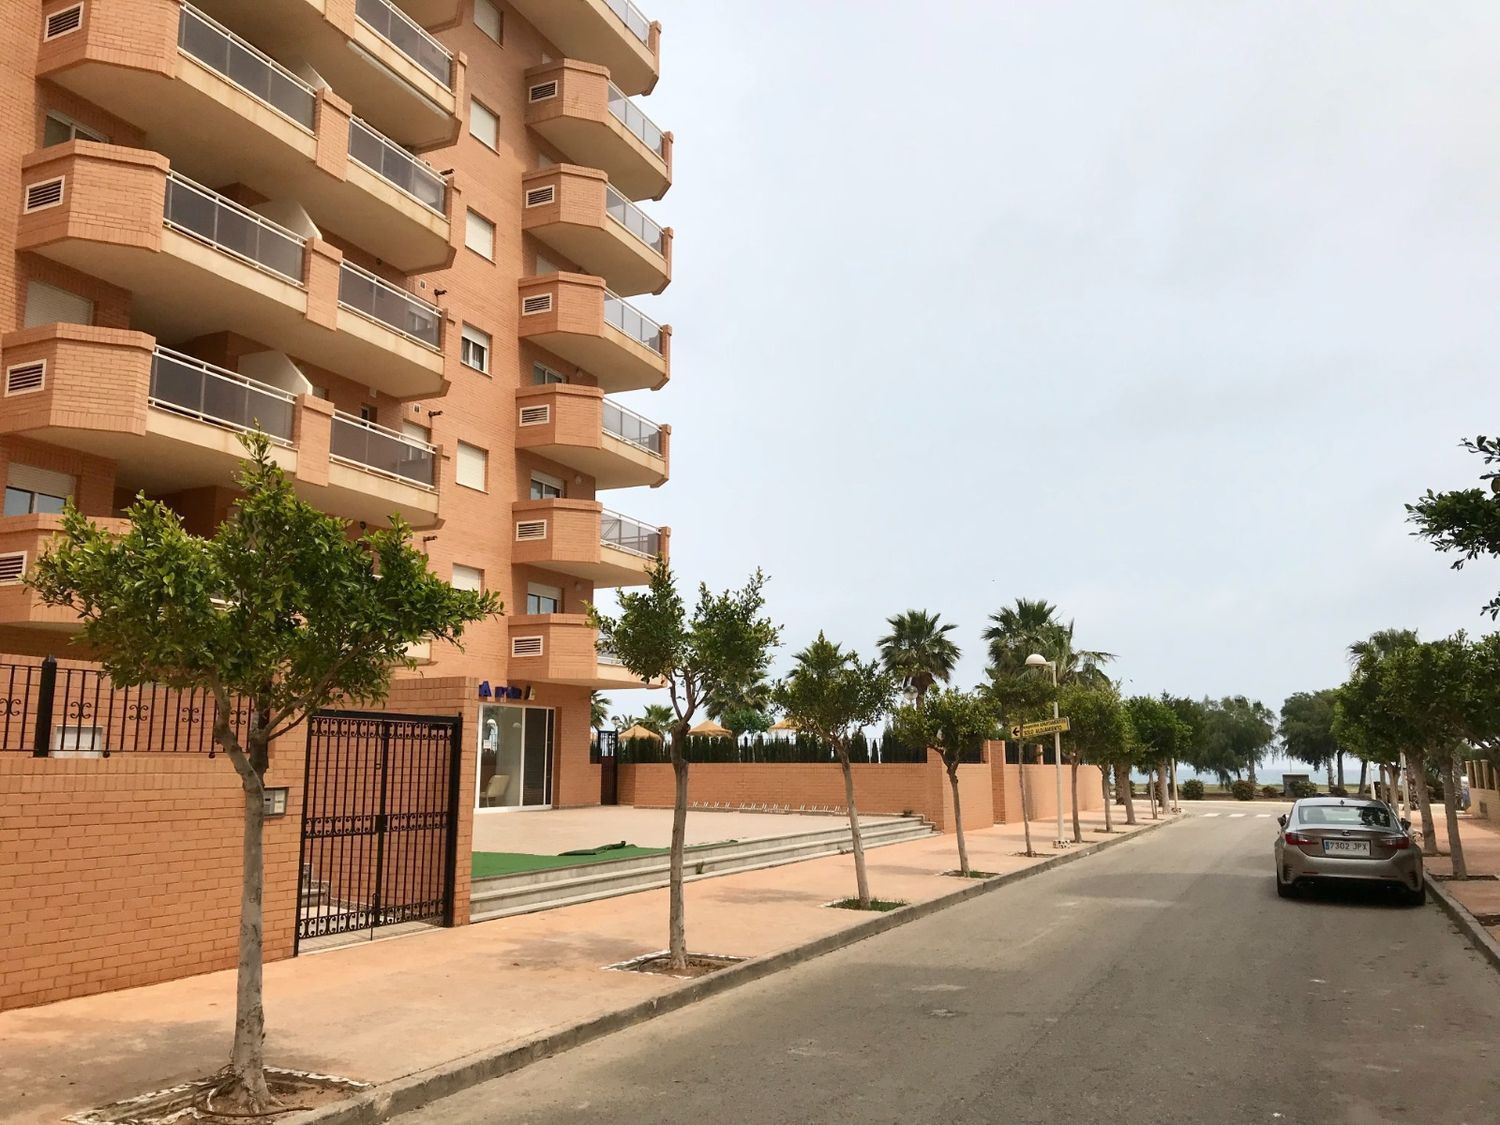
(1418, 897)
(1284, 890)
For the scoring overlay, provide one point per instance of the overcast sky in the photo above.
(1159, 311)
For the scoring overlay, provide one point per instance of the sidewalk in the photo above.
(1481, 841)
(385, 1010)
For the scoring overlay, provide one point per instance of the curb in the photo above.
(1478, 936)
(416, 1090)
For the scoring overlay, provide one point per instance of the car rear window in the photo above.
(1347, 816)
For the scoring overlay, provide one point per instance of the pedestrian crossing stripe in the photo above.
(1262, 816)
(1207, 815)
(1236, 815)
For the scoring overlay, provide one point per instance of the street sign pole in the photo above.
(1057, 762)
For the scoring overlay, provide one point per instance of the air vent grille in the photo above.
(25, 377)
(48, 193)
(541, 303)
(64, 22)
(530, 530)
(526, 646)
(540, 197)
(12, 567)
(536, 415)
(542, 91)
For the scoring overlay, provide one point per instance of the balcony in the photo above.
(397, 76)
(580, 538)
(577, 212)
(578, 109)
(615, 34)
(577, 319)
(189, 82)
(197, 263)
(559, 648)
(578, 427)
(171, 422)
(23, 540)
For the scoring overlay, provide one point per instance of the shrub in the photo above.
(1338, 791)
(1242, 790)
(1302, 789)
(1269, 791)
(1192, 789)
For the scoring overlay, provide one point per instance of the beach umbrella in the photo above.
(639, 731)
(710, 729)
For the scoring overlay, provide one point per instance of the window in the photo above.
(473, 466)
(474, 349)
(544, 487)
(30, 490)
(47, 304)
(542, 375)
(484, 125)
(543, 266)
(416, 431)
(367, 412)
(467, 578)
(479, 236)
(543, 599)
(487, 19)
(59, 129)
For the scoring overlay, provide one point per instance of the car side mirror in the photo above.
(1405, 825)
(1281, 820)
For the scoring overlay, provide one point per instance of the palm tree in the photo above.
(658, 718)
(598, 710)
(1381, 644)
(918, 652)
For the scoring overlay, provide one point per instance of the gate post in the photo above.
(41, 737)
(455, 782)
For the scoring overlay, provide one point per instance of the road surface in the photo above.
(1162, 981)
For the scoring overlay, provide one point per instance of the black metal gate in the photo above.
(609, 767)
(379, 821)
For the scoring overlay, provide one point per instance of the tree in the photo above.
(724, 646)
(743, 710)
(1240, 731)
(1307, 731)
(280, 612)
(657, 718)
(745, 720)
(1099, 733)
(952, 722)
(598, 710)
(1159, 737)
(1363, 719)
(831, 694)
(1466, 521)
(1016, 699)
(918, 652)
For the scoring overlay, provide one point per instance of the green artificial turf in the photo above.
(487, 864)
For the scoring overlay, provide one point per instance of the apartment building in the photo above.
(403, 237)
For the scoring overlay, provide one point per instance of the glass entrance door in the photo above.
(515, 757)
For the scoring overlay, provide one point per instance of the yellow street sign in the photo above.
(1051, 726)
(1015, 732)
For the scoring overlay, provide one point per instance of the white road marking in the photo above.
(1209, 815)
(1236, 816)
(1262, 816)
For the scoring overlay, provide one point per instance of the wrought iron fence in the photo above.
(52, 711)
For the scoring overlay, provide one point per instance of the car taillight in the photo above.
(1298, 838)
(1397, 842)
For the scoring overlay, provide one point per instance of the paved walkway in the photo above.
(562, 830)
(1481, 840)
(387, 1009)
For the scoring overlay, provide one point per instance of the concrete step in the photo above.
(507, 895)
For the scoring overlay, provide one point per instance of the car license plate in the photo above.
(1346, 847)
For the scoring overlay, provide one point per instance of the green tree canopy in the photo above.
(1307, 727)
(919, 652)
(953, 723)
(1465, 522)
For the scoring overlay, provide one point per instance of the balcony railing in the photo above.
(382, 451)
(629, 535)
(396, 166)
(629, 115)
(633, 219)
(607, 656)
(195, 210)
(184, 385)
(632, 17)
(362, 292)
(259, 75)
(398, 29)
(631, 321)
(630, 427)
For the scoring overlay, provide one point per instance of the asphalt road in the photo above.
(1162, 981)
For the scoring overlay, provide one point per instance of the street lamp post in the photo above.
(1037, 660)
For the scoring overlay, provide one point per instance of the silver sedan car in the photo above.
(1337, 838)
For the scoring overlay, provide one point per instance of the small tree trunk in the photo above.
(1073, 780)
(1122, 783)
(1339, 758)
(1452, 790)
(1161, 781)
(1416, 771)
(1025, 811)
(246, 1086)
(958, 821)
(1176, 799)
(861, 880)
(677, 928)
(1252, 773)
(1364, 774)
(1109, 802)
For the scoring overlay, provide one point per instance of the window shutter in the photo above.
(472, 466)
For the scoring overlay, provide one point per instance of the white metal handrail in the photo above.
(633, 18)
(628, 426)
(407, 36)
(382, 450)
(363, 292)
(607, 656)
(195, 210)
(633, 219)
(629, 535)
(630, 115)
(206, 40)
(392, 163)
(185, 385)
(631, 321)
